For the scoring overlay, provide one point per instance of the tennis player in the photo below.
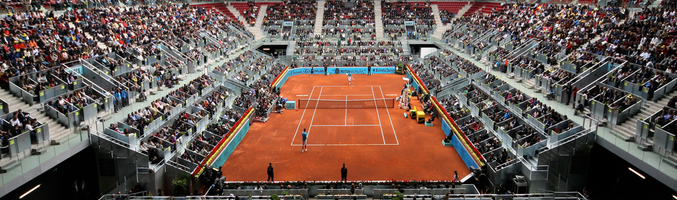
(304, 147)
(350, 78)
(312, 70)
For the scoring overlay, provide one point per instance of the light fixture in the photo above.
(673, 196)
(637, 173)
(29, 191)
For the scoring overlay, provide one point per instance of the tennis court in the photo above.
(353, 124)
(333, 111)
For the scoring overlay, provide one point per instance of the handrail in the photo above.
(105, 75)
(12, 83)
(86, 79)
(182, 57)
(567, 139)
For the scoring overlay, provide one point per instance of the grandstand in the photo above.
(194, 99)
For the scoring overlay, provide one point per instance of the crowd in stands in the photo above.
(236, 63)
(649, 78)
(303, 32)
(646, 39)
(350, 46)
(460, 62)
(580, 59)
(292, 10)
(472, 127)
(302, 12)
(425, 75)
(40, 43)
(349, 33)
(125, 31)
(395, 13)
(360, 10)
(442, 68)
(37, 81)
(569, 26)
(17, 123)
(36, 41)
(609, 96)
(351, 53)
(669, 4)
(550, 51)
(445, 65)
(161, 107)
(213, 100)
(349, 19)
(446, 16)
(250, 13)
(26, 50)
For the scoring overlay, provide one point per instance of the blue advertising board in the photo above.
(334, 70)
(341, 70)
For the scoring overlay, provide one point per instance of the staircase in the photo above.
(378, 18)
(56, 130)
(319, 18)
(462, 11)
(530, 83)
(256, 30)
(236, 13)
(655, 4)
(628, 129)
(441, 29)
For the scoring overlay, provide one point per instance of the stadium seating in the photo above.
(352, 53)
(452, 7)
(218, 6)
(301, 13)
(395, 14)
(358, 24)
(620, 69)
(250, 10)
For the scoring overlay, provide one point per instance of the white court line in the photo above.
(301, 120)
(341, 95)
(394, 95)
(315, 111)
(350, 125)
(346, 121)
(347, 85)
(391, 119)
(323, 145)
(303, 95)
(378, 115)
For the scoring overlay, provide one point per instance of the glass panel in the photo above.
(30, 162)
(12, 174)
(49, 154)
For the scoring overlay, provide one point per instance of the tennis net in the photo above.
(343, 104)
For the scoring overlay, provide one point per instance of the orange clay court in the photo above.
(375, 143)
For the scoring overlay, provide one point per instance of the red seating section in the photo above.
(482, 7)
(455, 6)
(218, 6)
(242, 7)
(488, 7)
(452, 7)
(591, 2)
